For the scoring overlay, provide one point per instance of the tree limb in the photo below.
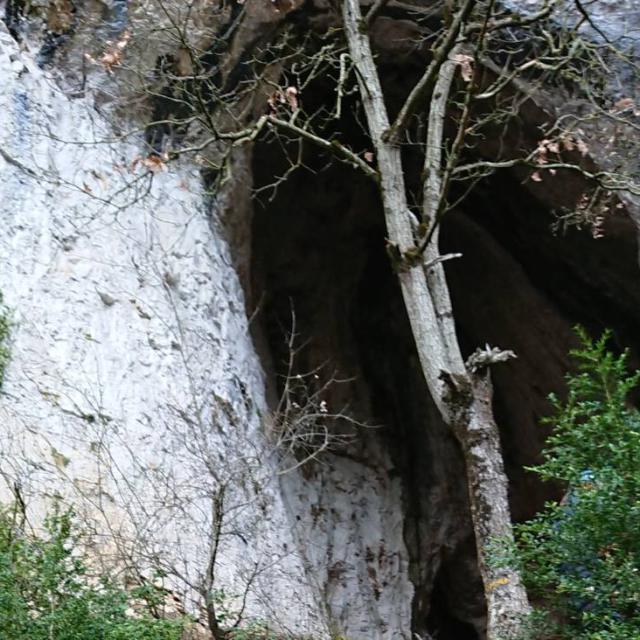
(378, 5)
(334, 146)
(424, 86)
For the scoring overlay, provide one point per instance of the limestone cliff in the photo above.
(152, 337)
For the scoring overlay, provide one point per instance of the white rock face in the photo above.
(618, 20)
(134, 390)
(349, 521)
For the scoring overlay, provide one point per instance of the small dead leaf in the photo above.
(623, 104)
(154, 162)
(465, 62)
(291, 95)
(368, 156)
(536, 177)
(112, 56)
(582, 147)
(274, 100)
(541, 152)
(553, 146)
(60, 16)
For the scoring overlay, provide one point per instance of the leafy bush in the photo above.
(5, 326)
(581, 558)
(47, 592)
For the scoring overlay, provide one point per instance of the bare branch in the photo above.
(334, 146)
(378, 5)
(424, 86)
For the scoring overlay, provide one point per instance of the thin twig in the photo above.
(378, 5)
(330, 145)
(426, 83)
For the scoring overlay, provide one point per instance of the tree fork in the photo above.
(463, 398)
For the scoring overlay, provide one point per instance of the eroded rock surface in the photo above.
(133, 388)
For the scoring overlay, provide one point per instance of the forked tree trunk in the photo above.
(464, 398)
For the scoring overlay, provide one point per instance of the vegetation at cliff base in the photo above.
(48, 593)
(581, 557)
(5, 327)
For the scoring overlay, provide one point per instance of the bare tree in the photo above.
(183, 512)
(462, 394)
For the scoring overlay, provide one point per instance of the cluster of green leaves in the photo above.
(5, 327)
(47, 592)
(581, 557)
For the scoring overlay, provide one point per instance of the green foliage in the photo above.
(5, 327)
(581, 558)
(47, 592)
(254, 631)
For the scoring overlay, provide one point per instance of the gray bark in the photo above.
(464, 399)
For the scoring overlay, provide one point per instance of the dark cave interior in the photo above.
(318, 247)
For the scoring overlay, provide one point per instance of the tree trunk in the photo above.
(464, 399)
(507, 602)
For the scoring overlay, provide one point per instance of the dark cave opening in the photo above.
(318, 247)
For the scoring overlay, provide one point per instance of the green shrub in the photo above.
(47, 593)
(5, 327)
(581, 558)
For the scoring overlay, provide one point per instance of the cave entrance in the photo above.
(318, 247)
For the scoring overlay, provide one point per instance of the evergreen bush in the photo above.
(581, 557)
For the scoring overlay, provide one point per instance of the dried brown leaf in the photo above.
(623, 104)
(154, 163)
(582, 147)
(291, 96)
(465, 62)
